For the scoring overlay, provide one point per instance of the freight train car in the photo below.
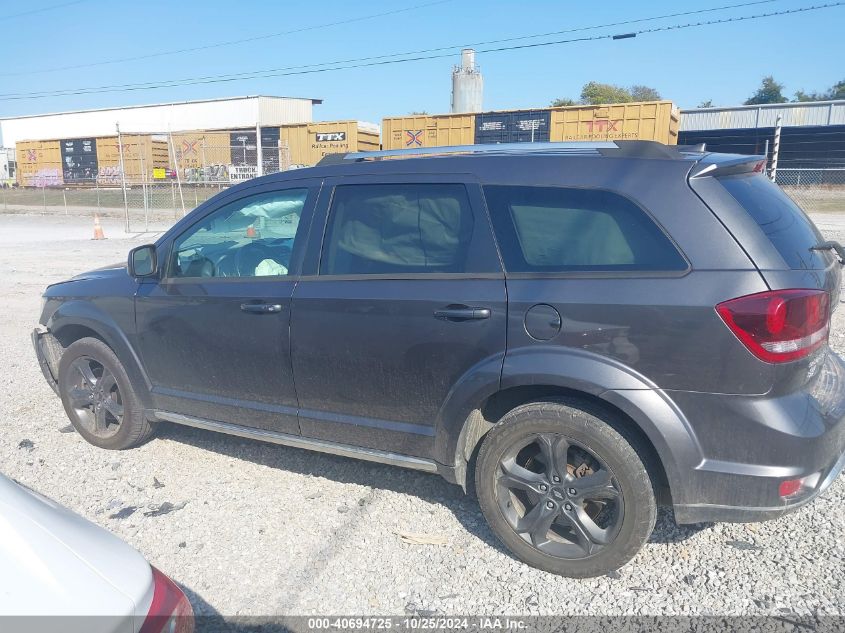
(307, 143)
(653, 120)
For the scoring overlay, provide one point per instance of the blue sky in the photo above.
(724, 63)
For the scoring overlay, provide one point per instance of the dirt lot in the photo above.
(261, 529)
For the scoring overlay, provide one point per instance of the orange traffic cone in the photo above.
(98, 230)
(250, 231)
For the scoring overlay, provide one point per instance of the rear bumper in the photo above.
(45, 351)
(751, 444)
(705, 513)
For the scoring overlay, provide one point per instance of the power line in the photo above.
(258, 74)
(41, 10)
(204, 47)
(415, 52)
(305, 70)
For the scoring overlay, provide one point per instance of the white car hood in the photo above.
(55, 563)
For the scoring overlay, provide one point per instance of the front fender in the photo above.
(86, 314)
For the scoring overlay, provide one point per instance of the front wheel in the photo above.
(98, 397)
(564, 490)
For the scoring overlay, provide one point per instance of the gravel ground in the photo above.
(257, 529)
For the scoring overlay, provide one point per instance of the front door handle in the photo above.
(261, 308)
(462, 313)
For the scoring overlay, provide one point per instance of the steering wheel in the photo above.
(248, 257)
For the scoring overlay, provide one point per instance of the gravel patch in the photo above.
(256, 529)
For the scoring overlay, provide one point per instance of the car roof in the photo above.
(477, 158)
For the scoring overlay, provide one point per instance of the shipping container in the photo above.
(644, 121)
(653, 121)
(79, 160)
(39, 163)
(517, 126)
(408, 132)
(307, 143)
(195, 150)
(141, 154)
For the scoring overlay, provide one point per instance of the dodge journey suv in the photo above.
(576, 332)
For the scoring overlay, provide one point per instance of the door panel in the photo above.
(213, 334)
(374, 354)
(374, 365)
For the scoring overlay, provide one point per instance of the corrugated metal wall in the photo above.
(242, 112)
(818, 146)
(764, 116)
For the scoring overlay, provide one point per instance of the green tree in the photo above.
(557, 103)
(594, 93)
(644, 93)
(418, 113)
(838, 91)
(706, 104)
(769, 91)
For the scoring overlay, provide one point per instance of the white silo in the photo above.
(467, 84)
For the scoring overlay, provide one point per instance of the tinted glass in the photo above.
(784, 223)
(408, 228)
(555, 229)
(251, 237)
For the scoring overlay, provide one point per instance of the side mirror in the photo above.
(143, 261)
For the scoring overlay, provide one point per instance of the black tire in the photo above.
(101, 405)
(536, 436)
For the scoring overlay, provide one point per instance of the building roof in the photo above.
(156, 105)
(802, 113)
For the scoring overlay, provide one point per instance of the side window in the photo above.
(250, 237)
(397, 228)
(555, 229)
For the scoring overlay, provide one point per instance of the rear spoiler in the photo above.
(726, 165)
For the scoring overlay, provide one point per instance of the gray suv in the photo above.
(577, 332)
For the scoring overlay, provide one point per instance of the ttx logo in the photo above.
(602, 125)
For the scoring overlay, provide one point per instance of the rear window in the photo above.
(791, 232)
(558, 229)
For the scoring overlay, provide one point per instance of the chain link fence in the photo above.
(149, 181)
(814, 190)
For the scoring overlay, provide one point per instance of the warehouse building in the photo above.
(812, 133)
(208, 114)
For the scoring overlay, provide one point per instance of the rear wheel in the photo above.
(98, 397)
(564, 490)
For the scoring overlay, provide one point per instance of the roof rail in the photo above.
(619, 149)
(500, 148)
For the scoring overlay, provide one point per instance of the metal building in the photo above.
(208, 114)
(467, 84)
(812, 133)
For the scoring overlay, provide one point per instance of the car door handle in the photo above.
(261, 308)
(462, 313)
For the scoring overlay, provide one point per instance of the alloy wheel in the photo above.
(95, 397)
(558, 496)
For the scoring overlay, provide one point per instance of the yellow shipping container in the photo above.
(39, 163)
(141, 154)
(307, 143)
(650, 121)
(408, 132)
(643, 121)
(195, 150)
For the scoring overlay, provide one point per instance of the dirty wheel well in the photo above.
(482, 420)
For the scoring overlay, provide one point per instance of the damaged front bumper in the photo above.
(48, 351)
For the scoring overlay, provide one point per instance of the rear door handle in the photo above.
(261, 308)
(462, 313)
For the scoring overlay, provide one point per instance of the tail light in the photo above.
(170, 611)
(781, 325)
